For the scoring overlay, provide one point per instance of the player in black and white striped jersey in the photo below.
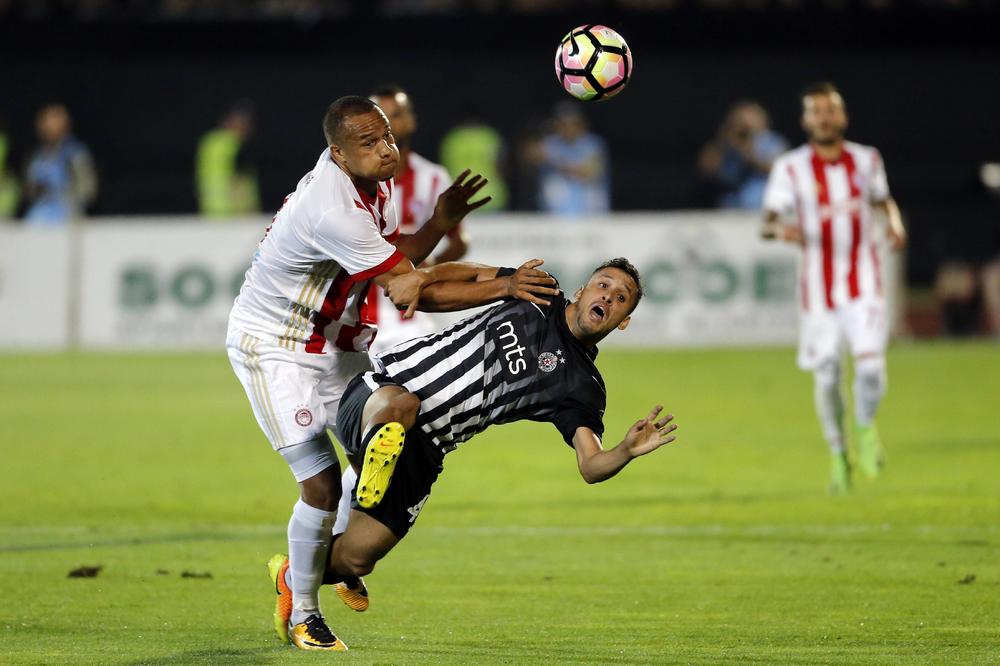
(514, 361)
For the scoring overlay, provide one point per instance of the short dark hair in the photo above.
(341, 110)
(820, 88)
(624, 265)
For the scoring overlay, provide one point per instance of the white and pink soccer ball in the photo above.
(593, 62)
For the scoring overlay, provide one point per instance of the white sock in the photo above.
(869, 387)
(830, 405)
(309, 536)
(347, 482)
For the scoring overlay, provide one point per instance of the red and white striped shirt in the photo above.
(308, 284)
(417, 191)
(832, 203)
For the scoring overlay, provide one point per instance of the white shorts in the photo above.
(861, 324)
(294, 395)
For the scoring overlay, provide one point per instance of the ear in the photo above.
(337, 155)
(578, 294)
(622, 326)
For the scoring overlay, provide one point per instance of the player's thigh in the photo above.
(343, 368)
(866, 325)
(417, 468)
(282, 388)
(365, 541)
(820, 339)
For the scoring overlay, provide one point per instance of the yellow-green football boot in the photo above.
(871, 455)
(276, 568)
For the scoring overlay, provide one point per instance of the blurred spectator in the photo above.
(8, 183)
(573, 166)
(990, 274)
(476, 146)
(224, 170)
(955, 291)
(527, 149)
(738, 160)
(61, 179)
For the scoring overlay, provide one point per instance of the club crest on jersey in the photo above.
(304, 417)
(547, 361)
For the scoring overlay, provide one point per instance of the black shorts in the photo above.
(417, 467)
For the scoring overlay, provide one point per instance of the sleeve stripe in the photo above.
(384, 267)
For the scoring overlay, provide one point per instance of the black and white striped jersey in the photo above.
(514, 361)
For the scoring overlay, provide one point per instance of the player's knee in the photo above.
(870, 370)
(827, 375)
(406, 405)
(322, 491)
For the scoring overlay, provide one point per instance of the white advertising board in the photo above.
(164, 284)
(35, 270)
(168, 283)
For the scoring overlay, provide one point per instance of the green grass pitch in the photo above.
(722, 548)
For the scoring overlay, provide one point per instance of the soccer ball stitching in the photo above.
(597, 91)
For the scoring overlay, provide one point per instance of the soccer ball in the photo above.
(593, 62)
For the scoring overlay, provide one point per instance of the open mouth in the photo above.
(598, 312)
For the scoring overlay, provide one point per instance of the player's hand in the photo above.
(649, 434)
(897, 238)
(792, 234)
(456, 202)
(404, 291)
(530, 284)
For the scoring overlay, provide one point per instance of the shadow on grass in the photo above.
(261, 655)
(665, 499)
(507, 653)
(138, 541)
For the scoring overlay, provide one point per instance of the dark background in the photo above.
(923, 85)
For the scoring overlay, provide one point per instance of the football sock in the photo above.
(869, 387)
(347, 481)
(309, 535)
(830, 405)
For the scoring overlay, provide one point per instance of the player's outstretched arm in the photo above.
(645, 436)
(452, 206)
(459, 285)
(896, 230)
(527, 283)
(775, 229)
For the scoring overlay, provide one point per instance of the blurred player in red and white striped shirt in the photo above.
(418, 183)
(826, 196)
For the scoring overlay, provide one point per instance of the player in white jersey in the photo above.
(830, 190)
(298, 331)
(418, 183)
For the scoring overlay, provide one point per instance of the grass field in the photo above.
(722, 548)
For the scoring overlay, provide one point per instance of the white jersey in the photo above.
(832, 201)
(308, 283)
(414, 197)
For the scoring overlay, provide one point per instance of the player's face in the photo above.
(400, 114)
(604, 304)
(368, 150)
(824, 118)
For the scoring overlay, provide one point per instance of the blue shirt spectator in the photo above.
(574, 168)
(61, 180)
(739, 159)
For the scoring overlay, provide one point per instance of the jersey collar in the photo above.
(568, 334)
